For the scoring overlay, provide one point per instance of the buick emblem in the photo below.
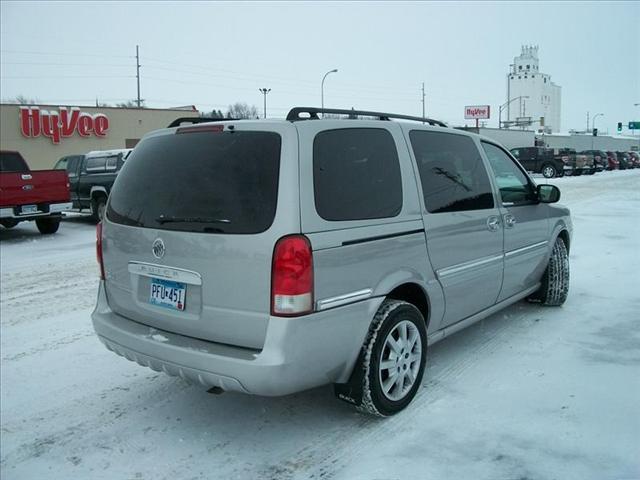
(158, 248)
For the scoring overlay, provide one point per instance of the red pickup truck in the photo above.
(31, 195)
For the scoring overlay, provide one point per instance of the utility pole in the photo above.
(264, 92)
(423, 101)
(587, 130)
(138, 72)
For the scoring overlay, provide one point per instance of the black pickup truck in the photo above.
(91, 177)
(541, 160)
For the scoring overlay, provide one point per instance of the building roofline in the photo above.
(69, 105)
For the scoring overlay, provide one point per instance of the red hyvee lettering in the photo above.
(57, 125)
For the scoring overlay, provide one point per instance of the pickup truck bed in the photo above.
(31, 195)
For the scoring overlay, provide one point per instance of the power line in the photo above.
(38, 64)
(57, 54)
(15, 77)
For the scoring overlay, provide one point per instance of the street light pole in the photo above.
(322, 88)
(593, 126)
(506, 105)
(264, 92)
(593, 120)
(511, 70)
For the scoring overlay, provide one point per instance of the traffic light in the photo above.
(595, 132)
(619, 127)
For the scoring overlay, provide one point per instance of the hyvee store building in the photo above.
(44, 133)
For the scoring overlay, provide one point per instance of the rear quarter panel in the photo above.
(374, 255)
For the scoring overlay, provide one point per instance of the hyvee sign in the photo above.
(63, 123)
(477, 111)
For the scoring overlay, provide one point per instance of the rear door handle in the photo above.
(493, 223)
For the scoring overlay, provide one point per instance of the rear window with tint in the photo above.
(12, 162)
(210, 182)
(356, 174)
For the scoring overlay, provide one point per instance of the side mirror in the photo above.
(548, 193)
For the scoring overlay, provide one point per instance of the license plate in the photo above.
(28, 209)
(168, 294)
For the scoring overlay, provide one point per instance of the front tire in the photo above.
(392, 361)
(49, 225)
(554, 287)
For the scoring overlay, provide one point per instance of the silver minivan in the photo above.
(273, 256)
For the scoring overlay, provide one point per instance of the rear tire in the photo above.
(549, 170)
(392, 361)
(554, 287)
(98, 207)
(49, 225)
(8, 223)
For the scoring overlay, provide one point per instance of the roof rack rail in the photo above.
(294, 115)
(179, 121)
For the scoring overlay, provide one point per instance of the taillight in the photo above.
(292, 277)
(99, 249)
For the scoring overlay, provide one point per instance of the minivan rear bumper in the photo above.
(299, 353)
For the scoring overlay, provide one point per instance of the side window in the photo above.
(96, 164)
(61, 164)
(112, 163)
(72, 165)
(515, 187)
(356, 174)
(451, 171)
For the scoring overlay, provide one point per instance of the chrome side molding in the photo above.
(340, 300)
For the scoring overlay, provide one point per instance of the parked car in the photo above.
(612, 159)
(579, 163)
(273, 256)
(31, 195)
(623, 158)
(541, 160)
(91, 177)
(634, 158)
(599, 158)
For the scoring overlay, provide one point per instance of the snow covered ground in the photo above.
(529, 393)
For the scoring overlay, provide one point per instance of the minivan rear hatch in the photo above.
(191, 225)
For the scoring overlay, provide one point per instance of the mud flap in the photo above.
(351, 392)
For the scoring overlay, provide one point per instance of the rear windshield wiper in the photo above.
(162, 219)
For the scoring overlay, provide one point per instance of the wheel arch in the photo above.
(564, 235)
(98, 192)
(414, 294)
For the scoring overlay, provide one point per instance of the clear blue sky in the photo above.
(213, 54)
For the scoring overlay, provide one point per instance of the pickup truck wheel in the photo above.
(392, 361)
(49, 225)
(8, 223)
(554, 287)
(98, 207)
(549, 171)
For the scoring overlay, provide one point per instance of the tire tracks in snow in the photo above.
(43, 292)
(331, 452)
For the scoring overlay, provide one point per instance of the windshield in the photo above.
(200, 182)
